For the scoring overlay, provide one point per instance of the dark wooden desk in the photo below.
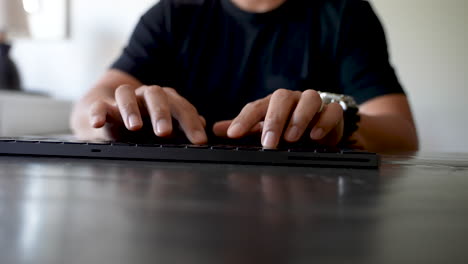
(414, 210)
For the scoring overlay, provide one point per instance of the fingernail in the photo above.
(269, 141)
(293, 133)
(234, 130)
(317, 133)
(162, 126)
(134, 121)
(199, 137)
(95, 120)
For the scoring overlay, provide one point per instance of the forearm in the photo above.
(386, 133)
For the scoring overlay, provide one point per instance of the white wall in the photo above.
(67, 68)
(428, 41)
(429, 46)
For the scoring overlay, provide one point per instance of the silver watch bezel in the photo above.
(345, 101)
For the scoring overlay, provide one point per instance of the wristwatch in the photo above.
(350, 113)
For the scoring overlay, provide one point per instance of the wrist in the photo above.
(351, 115)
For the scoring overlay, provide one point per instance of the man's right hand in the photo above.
(129, 107)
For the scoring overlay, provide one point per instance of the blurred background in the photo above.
(428, 43)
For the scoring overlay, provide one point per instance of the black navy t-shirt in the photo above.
(220, 57)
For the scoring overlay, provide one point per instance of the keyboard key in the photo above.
(173, 146)
(221, 147)
(273, 150)
(50, 142)
(250, 148)
(149, 145)
(328, 150)
(350, 151)
(75, 142)
(124, 144)
(301, 150)
(27, 141)
(99, 143)
(198, 147)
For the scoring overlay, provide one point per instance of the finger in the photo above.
(188, 117)
(220, 129)
(203, 120)
(258, 128)
(330, 117)
(279, 110)
(128, 106)
(158, 108)
(101, 113)
(309, 104)
(97, 114)
(249, 116)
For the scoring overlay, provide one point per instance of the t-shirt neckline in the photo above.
(234, 10)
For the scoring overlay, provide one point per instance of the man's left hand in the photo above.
(271, 114)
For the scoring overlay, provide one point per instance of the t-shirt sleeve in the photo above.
(364, 68)
(147, 54)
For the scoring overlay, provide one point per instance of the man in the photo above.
(229, 68)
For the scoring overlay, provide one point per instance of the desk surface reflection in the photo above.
(413, 210)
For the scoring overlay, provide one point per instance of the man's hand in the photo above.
(287, 114)
(129, 106)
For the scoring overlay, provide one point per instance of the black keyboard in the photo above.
(294, 155)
